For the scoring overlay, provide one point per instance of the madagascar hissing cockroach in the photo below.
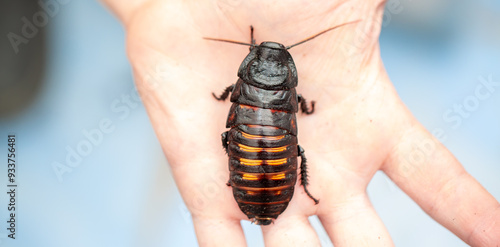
(262, 141)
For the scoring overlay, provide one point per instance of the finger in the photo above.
(290, 230)
(422, 167)
(354, 222)
(218, 232)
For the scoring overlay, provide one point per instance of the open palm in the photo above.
(360, 125)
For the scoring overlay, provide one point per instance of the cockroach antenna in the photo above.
(228, 41)
(252, 45)
(318, 34)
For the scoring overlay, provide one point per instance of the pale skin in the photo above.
(360, 125)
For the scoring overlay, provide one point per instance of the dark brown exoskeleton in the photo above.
(262, 141)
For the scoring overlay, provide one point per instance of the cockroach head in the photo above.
(269, 66)
(272, 45)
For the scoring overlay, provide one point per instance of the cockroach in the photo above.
(262, 141)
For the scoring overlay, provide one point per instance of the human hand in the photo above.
(360, 125)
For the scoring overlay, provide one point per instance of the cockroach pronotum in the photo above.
(262, 141)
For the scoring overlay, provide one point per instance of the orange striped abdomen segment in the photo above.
(263, 169)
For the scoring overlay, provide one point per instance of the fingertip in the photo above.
(354, 222)
(293, 230)
(218, 232)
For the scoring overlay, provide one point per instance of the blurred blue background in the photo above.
(121, 193)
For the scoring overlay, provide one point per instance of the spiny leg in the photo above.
(303, 105)
(224, 140)
(303, 174)
(225, 145)
(224, 94)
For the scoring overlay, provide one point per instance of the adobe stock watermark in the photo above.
(366, 32)
(470, 103)
(74, 155)
(31, 26)
(121, 108)
(204, 195)
(422, 147)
